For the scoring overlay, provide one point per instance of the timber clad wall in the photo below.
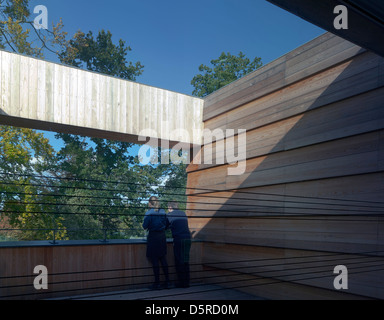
(82, 269)
(315, 132)
(311, 196)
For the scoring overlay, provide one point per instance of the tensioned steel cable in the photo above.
(180, 201)
(367, 254)
(127, 207)
(263, 275)
(312, 217)
(183, 201)
(219, 282)
(208, 265)
(208, 210)
(216, 216)
(205, 203)
(366, 212)
(260, 273)
(255, 211)
(186, 188)
(252, 285)
(187, 202)
(229, 282)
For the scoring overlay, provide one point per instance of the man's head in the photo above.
(173, 205)
(154, 203)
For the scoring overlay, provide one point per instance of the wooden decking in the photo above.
(195, 292)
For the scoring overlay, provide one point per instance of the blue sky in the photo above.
(172, 38)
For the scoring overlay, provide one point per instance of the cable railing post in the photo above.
(54, 242)
(104, 240)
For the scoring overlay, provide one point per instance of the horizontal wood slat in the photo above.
(82, 269)
(320, 54)
(313, 181)
(349, 117)
(304, 274)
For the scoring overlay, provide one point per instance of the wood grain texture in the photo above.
(317, 55)
(313, 182)
(81, 269)
(76, 98)
(279, 273)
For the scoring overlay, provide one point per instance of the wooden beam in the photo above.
(49, 96)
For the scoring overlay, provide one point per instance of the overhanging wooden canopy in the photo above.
(365, 19)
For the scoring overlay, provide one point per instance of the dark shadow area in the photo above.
(315, 200)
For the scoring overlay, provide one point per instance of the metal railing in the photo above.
(101, 234)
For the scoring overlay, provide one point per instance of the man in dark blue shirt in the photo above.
(155, 222)
(178, 223)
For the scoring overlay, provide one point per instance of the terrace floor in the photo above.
(194, 292)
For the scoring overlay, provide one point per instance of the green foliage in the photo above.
(100, 55)
(103, 187)
(18, 34)
(90, 202)
(90, 186)
(24, 154)
(90, 189)
(17, 29)
(24, 150)
(226, 69)
(173, 178)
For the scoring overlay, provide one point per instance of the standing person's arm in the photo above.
(169, 218)
(165, 219)
(147, 221)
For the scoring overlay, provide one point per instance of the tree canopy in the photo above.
(100, 55)
(84, 187)
(17, 29)
(18, 33)
(25, 156)
(90, 188)
(225, 69)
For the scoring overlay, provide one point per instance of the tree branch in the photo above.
(42, 41)
(6, 39)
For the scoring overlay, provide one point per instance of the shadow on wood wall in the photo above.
(311, 197)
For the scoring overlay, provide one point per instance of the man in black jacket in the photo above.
(178, 223)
